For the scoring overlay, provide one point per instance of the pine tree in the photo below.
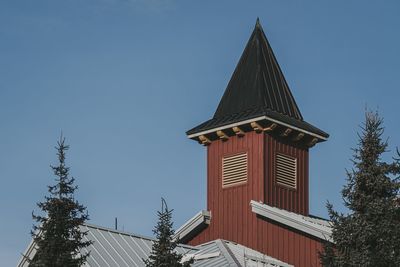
(163, 252)
(57, 234)
(369, 235)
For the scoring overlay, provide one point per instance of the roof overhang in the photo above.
(268, 119)
(193, 225)
(312, 226)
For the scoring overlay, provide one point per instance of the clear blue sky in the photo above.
(124, 80)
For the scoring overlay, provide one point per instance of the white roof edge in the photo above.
(108, 229)
(197, 257)
(29, 253)
(292, 220)
(256, 119)
(270, 260)
(227, 253)
(201, 217)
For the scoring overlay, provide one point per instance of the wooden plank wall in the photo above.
(232, 218)
(280, 196)
(227, 204)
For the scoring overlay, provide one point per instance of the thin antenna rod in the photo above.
(164, 206)
(116, 223)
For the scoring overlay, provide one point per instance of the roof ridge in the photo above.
(94, 226)
(228, 254)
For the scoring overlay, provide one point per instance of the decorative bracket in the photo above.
(222, 136)
(286, 132)
(204, 140)
(270, 128)
(239, 132)
(312, 142)
(298, 137)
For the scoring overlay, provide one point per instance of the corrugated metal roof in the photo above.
(112, 248)
(233, 254)
(116, 248)
(252, 258)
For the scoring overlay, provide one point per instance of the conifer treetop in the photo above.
(369, 234)
(163, 252)
(56, 234)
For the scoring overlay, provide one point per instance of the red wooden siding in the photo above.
(278, 195)
(232, 218)
(228, 206)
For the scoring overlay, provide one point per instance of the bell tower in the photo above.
(257, 145)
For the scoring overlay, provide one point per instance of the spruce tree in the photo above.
(369, 235)
(57, 235)
(163, 252)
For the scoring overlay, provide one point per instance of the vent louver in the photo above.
(286, 170)
(234, 170)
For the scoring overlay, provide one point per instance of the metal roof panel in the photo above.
(120, 249)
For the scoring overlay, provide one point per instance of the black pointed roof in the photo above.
(257, 88)
(258, 82)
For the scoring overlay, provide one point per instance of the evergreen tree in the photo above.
(369, 235)
(163, 252)
(57, 234)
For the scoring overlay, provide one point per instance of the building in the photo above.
(114, 248)
(257, 179)
(257, 164)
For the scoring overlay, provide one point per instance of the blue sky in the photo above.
(124, 80)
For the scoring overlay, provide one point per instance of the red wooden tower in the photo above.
(257, 157)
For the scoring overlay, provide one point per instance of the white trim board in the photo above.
(28, 254)
(256, 119)
(202, 217)
(305, 224)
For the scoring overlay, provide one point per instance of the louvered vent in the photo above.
(234, 170)
(286, 170)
